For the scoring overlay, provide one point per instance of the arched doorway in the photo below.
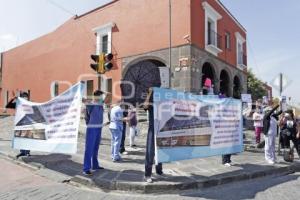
(138, 78)
(237, 87)
(208, 72)
(224, 83)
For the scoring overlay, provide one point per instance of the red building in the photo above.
(206, 41)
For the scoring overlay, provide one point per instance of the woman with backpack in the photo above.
(288, 131)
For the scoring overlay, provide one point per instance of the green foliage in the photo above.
(255, 87)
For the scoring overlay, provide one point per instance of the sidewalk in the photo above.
(128, 175)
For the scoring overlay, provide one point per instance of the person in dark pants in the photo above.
(226, 160)
(12, 105)
(122, 146)
(149, 159)
(94, 121)
(289, 131)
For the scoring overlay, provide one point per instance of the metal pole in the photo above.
(170, 38)
(170, 32)
(280, 84)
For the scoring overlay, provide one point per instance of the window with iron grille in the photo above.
(227, 40)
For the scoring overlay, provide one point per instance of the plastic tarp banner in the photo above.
(49, 127)
(188, 126)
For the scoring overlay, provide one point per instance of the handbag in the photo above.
(288, 155)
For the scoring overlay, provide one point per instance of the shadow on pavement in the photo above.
(239, 191)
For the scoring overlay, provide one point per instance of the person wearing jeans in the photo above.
(149, 159)
(116, 129)
(94, 121)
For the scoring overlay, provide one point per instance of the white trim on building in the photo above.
(212, 17)
(240, 40)
(102, 31)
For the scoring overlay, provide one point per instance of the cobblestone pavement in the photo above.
(20, 183)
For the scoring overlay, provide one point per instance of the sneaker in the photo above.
(87, 173)
(124, 153)
(117, 160)
(148, 179)
(271, 162)
(227, 165)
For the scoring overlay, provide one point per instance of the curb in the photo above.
(160, 187)
(31, 166)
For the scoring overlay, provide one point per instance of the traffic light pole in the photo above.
(170, 33)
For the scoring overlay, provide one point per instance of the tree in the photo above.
(255, 87)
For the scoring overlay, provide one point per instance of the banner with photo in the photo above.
(188, 126)
(49, 127)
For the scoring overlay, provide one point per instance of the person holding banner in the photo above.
(94, 122)
(12, 105)
(150, 146)
(270, 131)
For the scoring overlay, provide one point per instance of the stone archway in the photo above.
(208, 71)
(225, 83)
(141, 75)
(237, 87)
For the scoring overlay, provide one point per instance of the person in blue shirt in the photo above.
(94, 122)
(116, 128)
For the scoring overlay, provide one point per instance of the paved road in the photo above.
(20, 183)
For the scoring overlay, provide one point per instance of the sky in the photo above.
(273, 31)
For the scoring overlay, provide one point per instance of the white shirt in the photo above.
(116, 116)
(273, 127)
(258, 119)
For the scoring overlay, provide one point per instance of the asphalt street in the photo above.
(21, 183)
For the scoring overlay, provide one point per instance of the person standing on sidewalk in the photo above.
(270, 131)
(289, 131)
(12, 105)
(94, 122)
(149, 159)
(116, 129)
(132, 123)
(258, 123)
(226, 159)
(122, 145)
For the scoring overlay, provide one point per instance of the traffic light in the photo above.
(98, 66)
(103, 62)
(108, 62)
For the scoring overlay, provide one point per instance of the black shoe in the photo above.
(87, 173)
(20, 155)
(97, 168)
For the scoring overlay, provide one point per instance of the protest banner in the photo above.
(51, 126)
(191, 126)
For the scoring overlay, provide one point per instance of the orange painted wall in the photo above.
(64, 55)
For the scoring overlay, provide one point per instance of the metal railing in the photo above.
(242, 59)
(214, 39)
